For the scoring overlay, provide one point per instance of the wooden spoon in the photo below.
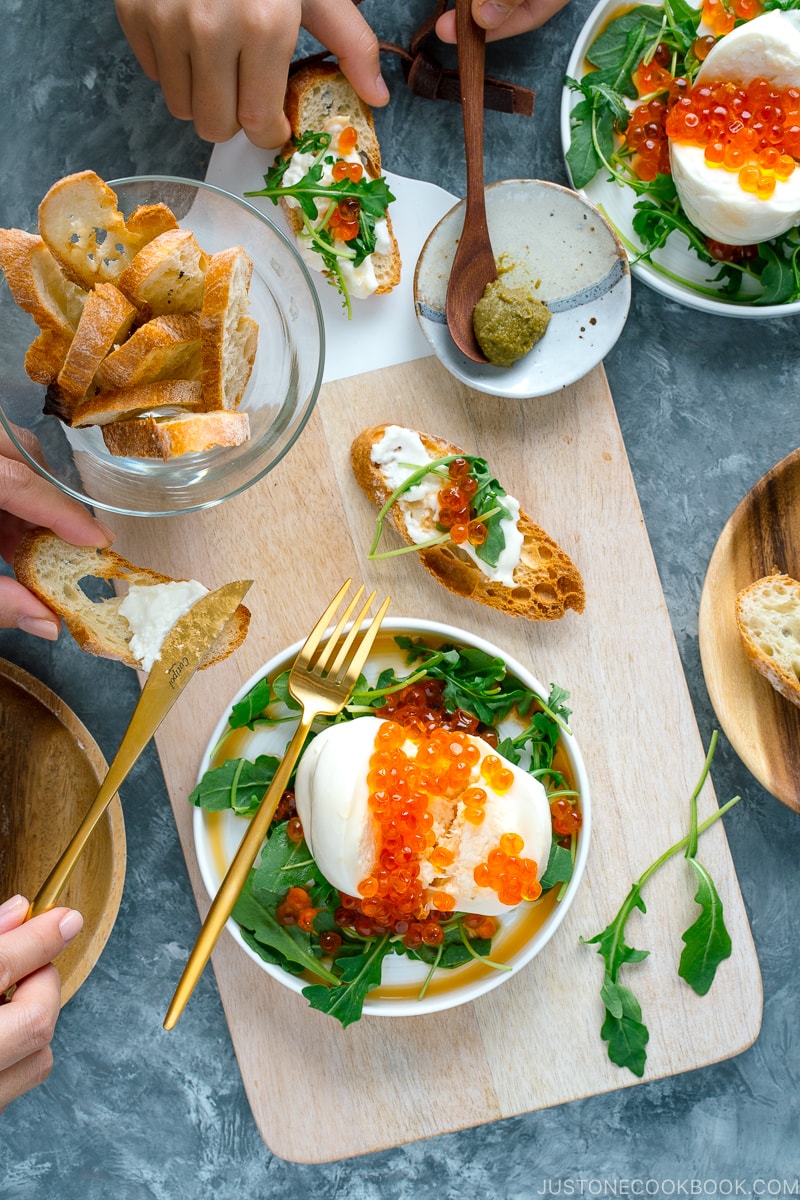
(473, 264)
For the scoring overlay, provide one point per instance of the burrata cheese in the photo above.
(767, 47)
(332, 797)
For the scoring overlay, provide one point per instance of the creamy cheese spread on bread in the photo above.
(397, 455)
(361, 281)
(151, 610)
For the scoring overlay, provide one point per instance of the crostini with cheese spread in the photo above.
(469, 533)
(328, 182)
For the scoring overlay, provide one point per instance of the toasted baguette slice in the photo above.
(546, 581)
(38, 284)
(169, 437)
(45, 356)
(105, 321)
(768, 619)
(53, 570)
(317, 94)
(81, 223)
(167, 274)
(164, 348)
(122, 404)
(228, 336)
(149, 221)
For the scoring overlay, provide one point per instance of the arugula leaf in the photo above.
(623, 38)
(559, 867)
(289, 943)
(373, 197)
(238, 784)
(707, 941)
(251, 705)
(284, 864)
(361, 972)
(623, 1028)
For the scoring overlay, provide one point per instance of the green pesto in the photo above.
(508, 322)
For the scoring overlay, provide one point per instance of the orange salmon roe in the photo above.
(420, 707)
(348, 140)
(454, 500)
(514, 879)
(752, 130)
(720, 15)
(566, 819)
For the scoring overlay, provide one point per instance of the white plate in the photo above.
(523, 935)
(616, 202)
(553, 243)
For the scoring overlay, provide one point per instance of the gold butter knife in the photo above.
(183, 651)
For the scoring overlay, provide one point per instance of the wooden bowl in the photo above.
(763, 532)
(50, 770)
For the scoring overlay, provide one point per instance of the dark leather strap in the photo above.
(428, 79)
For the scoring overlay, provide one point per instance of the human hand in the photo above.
(28, 501)
(501, 20)
(223, 64)
(27, 1021)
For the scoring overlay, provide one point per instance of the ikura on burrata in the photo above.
(735, 136)
(473, 832)
(729, 140)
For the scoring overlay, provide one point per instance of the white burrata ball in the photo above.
(767, 47)
(332, 797)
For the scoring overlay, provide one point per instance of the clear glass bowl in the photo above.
(279, 398)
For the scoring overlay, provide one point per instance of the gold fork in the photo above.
(322, 688)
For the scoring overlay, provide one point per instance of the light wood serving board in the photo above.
(534, 1041)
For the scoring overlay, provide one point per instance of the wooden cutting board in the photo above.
(318, 1092)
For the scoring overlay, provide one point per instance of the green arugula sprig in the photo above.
(489, 505)
(373, 197)
(706, 943)
(772, 274)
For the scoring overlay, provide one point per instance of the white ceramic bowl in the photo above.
(279, 397)
(523, 932)
(551, 242)
(675, 271)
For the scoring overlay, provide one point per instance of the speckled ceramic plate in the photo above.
(552, 242)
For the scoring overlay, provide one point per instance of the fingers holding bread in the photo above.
(125, 306)
(467, 531)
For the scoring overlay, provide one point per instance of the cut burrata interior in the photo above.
(332, 794)
(767, 47)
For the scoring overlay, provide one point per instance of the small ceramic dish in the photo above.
(50, 770)
(523, 932)
(279, 397)
(555, 244)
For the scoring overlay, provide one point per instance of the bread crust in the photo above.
(167, 437)
(122, 404)
(768, 620)
(546, 581)
(167, 274)
(53, 569)
(106, 320)
(228, 335)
